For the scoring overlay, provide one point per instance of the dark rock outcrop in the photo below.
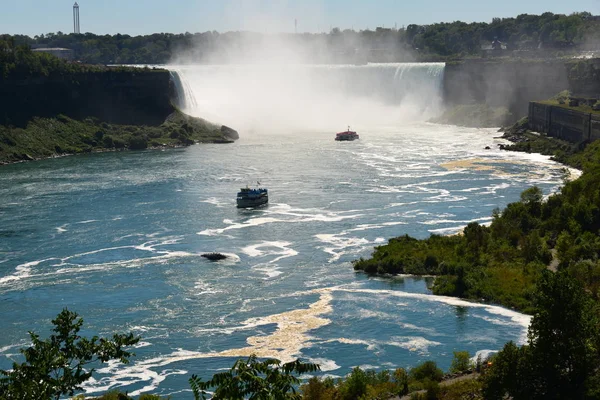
(229, 132)
(214, 256)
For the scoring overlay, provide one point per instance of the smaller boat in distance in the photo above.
(248, 197)
(347, 135)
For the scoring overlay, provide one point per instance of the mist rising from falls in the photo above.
(299, 98)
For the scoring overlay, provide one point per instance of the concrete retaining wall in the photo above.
(563, 123)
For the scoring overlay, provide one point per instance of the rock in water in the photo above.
(214, 256)
(229, 132)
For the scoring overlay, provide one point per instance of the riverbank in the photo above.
(501, 263)
(61, 135)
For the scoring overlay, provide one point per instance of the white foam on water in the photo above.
(248, 224)
(62, 228)
(127, 236)
(4, 349)
(253, 250)
(339, 243)
(89, 221)
(215, 201)
(284, 344)
(364, 227)
(517, 318)
(142, 344)
(412, 343)
(141, 328)
(162, 258)
(325, 364)
(430, 331)
(120, 375)
(23, 271)
(205, 288)
(495, 321)
(366, 313)
(63, 266)
(282, 250)
(447, 231)
(271, 271)
(299, 216)
(369, 344)
(485, 354)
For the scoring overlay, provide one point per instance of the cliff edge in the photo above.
(77, 109)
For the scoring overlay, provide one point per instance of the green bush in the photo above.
(108, 142)
(137, 143)
(119, 143)
(461, 362)
(426, 371)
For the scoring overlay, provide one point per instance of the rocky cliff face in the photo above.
(584, 78)
(118, 96)
(504, 83)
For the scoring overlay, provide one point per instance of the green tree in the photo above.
(427, 370)
(509, 373)
(563, 336)
(58, 365)
(254, 380)
(562, 359)
(461, 362)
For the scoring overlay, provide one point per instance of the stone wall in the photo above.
(563, 123)
(539, 117)
(595, 127)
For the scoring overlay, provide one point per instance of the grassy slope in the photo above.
(47, 137)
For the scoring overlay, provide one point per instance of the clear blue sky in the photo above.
(136, 17)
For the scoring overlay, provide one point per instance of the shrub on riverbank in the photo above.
(503, 262)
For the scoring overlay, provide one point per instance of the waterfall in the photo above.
(185, 96)
(318, 97)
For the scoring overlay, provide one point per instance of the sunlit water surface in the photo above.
(117, 237)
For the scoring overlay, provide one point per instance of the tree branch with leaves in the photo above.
(254, 380)
(58, 365)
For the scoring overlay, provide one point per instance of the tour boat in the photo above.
(248, 197)
(347, 135)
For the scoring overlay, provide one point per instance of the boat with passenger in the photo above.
(347, 135)
(248, 197)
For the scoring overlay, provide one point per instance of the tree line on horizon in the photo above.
(439, 41)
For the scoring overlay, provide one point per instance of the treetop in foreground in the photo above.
(58, 365)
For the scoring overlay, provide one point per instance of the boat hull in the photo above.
(341, 138)
(252, 202)
(247, 197)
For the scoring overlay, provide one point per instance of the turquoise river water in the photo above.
(118, 238)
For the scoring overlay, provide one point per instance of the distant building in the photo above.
(65, 54)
